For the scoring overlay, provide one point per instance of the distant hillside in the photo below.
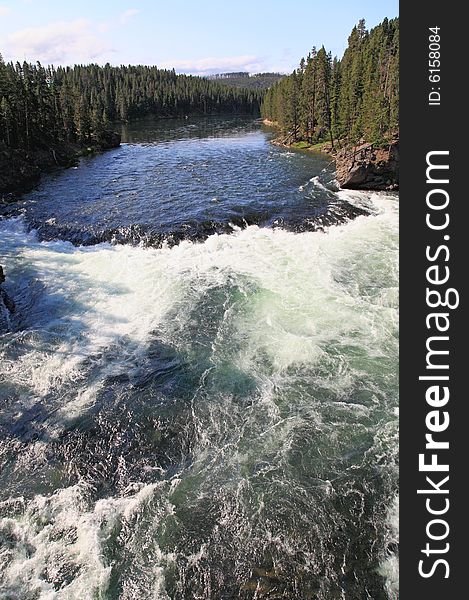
(242, 79)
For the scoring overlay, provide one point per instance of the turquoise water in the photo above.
(210, 419)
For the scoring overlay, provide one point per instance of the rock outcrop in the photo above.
(7, 306)
(369, 168)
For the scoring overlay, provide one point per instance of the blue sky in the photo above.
(202, 36)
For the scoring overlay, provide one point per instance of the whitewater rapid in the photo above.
(257, 374)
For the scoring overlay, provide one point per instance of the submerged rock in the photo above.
(7, 306)
(5, 325)
(369, 168)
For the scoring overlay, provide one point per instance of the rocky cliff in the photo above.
(367, 167)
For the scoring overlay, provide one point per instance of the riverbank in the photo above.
(134, 364)
(21, 170)
(366, 166)
(369, 167)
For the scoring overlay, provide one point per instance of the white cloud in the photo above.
(120, 21)
(64, 42)
(4, 10)
(125, 17)
(209, 66)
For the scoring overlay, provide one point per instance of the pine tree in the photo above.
(42, 106)
(348, 100)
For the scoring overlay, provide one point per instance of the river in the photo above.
(198, 394)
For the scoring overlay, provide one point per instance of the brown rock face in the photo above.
(369, 168)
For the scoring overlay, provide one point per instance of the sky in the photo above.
(199, 36)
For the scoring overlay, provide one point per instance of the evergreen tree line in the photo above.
(246, 80)
(348, 100)
(40, 106)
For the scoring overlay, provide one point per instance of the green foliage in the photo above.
(40, 106)
(259, 81)
(350, 99)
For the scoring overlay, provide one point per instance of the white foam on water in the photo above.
(299, 295)
(389, 568)
(318, 183)
(64, 532)
(104, 295)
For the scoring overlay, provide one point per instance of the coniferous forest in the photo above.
(348, 100)
(243, 79)
(40, 106)
(342, 102)
(199, 302)
(324, 99)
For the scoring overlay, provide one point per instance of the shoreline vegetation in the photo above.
(365, 166)
(49, 116)
(21, 170)
(347, 108)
